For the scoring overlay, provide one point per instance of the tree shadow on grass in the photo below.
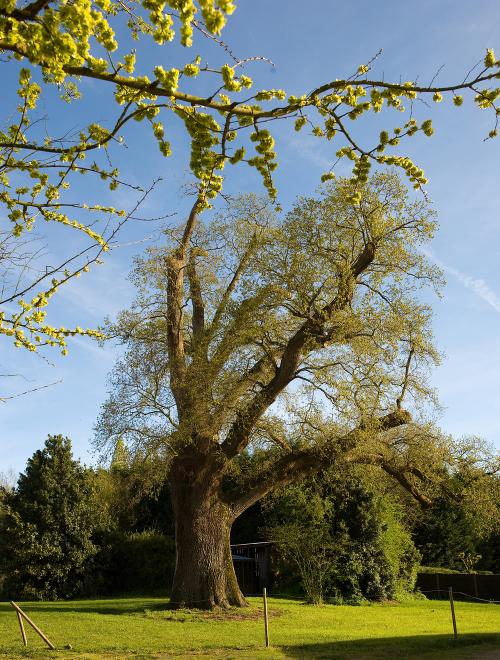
(152, 608)
(104, 606)
(467, 647)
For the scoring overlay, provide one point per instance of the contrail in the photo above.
(478, 286)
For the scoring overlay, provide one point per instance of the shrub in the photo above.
(346, 542)
(134, 562)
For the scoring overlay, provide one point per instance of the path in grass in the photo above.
(143, 628)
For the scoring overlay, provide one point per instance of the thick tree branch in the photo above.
(196, 297)
(290, 468)
(407, 484)
(259, 371)
(27, 13)
(299, 464)
(235, 333)
(189, 227)
(305, 339)
(176, 264)
(406, 377)
(175, 336)
(221, 308)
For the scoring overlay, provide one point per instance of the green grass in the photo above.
(145, 628)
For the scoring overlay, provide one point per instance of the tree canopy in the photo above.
(322, 297)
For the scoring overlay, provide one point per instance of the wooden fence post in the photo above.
(266, 622)
(20, 613)
(452, 605)
(21, 626)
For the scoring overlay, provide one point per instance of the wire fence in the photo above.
(474, 586)
(203, 602)
(304, 598)
(460, 593)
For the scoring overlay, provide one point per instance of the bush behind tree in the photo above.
(131, 563)
(344, 541)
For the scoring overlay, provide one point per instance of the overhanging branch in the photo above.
(400, 474)
(300, 464)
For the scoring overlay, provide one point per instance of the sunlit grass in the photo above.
(146, 628)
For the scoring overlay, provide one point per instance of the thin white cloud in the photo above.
(103, 292)
(477, 285)
(305, 147)
(480, 287)
(89, 345)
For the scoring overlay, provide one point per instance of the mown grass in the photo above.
(146, 628)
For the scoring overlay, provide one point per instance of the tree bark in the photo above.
(204, 575)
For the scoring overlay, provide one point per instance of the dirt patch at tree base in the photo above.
(217, 614)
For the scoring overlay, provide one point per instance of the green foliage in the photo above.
(131, 501)
(489, 549)
(461, 529)
(302, 534)
(443, 533)
(398, 546)
(58, 40)
(67, 530)
(132, 562)
(51, 517)
(136, 550)
(432, 570)
(347, 542)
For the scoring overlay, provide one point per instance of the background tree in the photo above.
(135, 493)
(443, 533)
(136, 550)
(7, 482)
(464, 521)
(51, 517)
(60, 44)
(319, 304)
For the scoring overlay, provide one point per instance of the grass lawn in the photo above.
(144, 628)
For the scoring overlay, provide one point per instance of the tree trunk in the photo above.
(204, 573)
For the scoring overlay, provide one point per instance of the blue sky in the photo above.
(329, 39)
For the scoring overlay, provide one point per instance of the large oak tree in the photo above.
(298, 335)
(213, 362)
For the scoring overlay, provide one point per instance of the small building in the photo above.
(252, 565)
